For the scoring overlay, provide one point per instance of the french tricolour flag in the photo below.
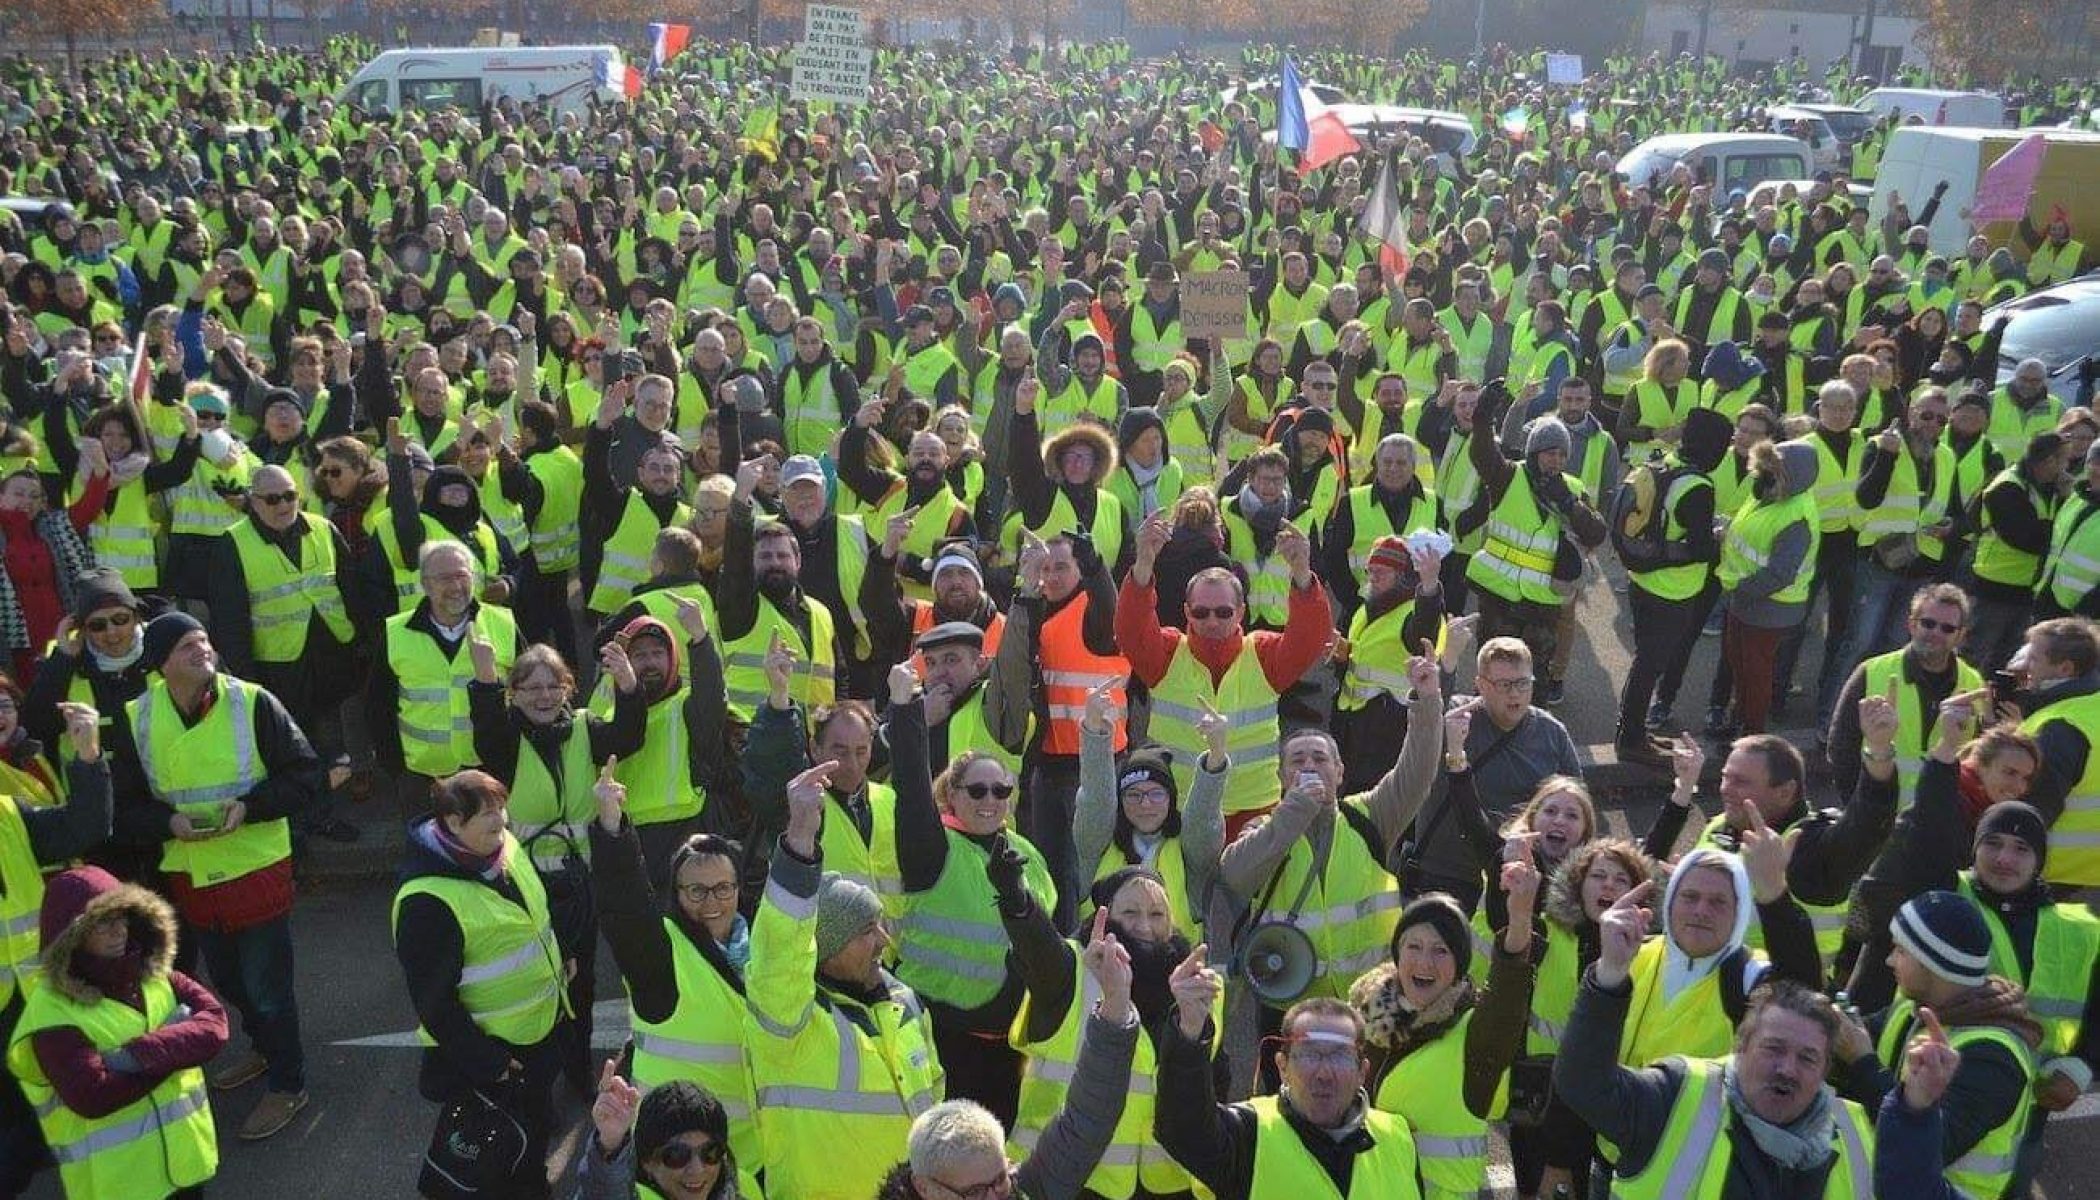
(618, 76)
(1304, 124)
(665, 42)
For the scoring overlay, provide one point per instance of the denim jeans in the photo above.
(1879, 611)
(252, 970)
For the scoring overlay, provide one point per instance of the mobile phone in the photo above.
(205, 820)
(2004, 685)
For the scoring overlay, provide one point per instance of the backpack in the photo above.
(1640, 519)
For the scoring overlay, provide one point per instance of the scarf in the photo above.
(1972, 797)
(1802, 1146)
(1147, 481)
(127, 470)
(737, 949)
(124, 661)
(434, 837)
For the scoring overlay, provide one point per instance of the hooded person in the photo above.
(447, 508)
(113, 1030)
(1732, 379)
(1082, 387)
(1149, 478)
(1692, 981)
(680, 681)
(1060, 484)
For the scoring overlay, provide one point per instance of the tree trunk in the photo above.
(72, 55)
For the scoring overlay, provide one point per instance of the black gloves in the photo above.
(1006, 870)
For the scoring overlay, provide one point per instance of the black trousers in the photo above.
(1045, 818)
(981, 1068)
(1664, 632)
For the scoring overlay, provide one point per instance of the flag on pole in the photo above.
(139, 387)
(1304, 124)
(618, 76)
(1385, 218)
(665, 42)
(2008, 184)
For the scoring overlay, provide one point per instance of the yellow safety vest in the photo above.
(123, 537)
(703, 1041)
(1268, 576)
(1837, 483)
(201, 768)
(1684, 580)
(2010, 429)
(2066, 947)
(1998, 560)
(158, 1144)
(539, 801)
(874, 861)
(1245, 699)
(554, 535)
(1914, 732)
(829, 1083)
(2074, 839)
(1284, 1167)
(1691, 1162)
(283, 599)
(815, 681)
(1905, 509)
(1755, 531)
(1693, 1024)
(510, 979)
(1351, 910)
(1516, 559)
(1658, 407)
(1151, 346)
(1425, 1088)
(2073, 567)
(951, 946)
(810, 408)
(1987, 1169)
(625, 564)
(1370, 522)
(21, 905)
(437, 735)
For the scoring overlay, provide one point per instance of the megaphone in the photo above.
(1278, 962)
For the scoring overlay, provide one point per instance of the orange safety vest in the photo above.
(1070, 671)
(922, 619)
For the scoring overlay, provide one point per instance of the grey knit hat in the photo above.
(1548, 433)
(844, 908)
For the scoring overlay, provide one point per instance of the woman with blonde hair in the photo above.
(1653, 418)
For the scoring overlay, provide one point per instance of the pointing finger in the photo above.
(609, 1072)
(612, 764)
(1931, 1021)
(1636, 897)
(1100, 924)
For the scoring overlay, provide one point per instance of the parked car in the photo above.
(2059, 325)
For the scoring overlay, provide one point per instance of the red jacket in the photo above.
(1285, 657)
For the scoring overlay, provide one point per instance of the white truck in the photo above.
(566, 77)
(1933, 106)
(1918, 157)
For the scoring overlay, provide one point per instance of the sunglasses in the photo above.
(1317, 386)
(677, 1155)
(276, 497)
(978, 791)
(1932, 626)
(121, 620)
(1206, 613)
(330, 472)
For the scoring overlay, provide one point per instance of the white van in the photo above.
(1826, 150)
(1973, 110)
(1726, 160)
(564, 76)
(1920, 157)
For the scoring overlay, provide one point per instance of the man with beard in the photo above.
(895, 620)
(760, 600)
(2022, 408)
(682, 736)
(1132, 910)
(1082, 386)
(830, 568)
(922, 494)
(624, 521)
(2068, 586)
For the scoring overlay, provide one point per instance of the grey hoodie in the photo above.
(1751, 602)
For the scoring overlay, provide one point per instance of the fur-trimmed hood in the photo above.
(897, 1184)
(1563, 904)
(75, 900)
(1078, 433)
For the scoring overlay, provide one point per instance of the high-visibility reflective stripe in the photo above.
(959, 927)
(524, 956)
(1550, 1030)
(1343, 913)
(1353, 965)
(2043, 1006)
(1077, 679)
(713, 1053)
(1973, 1163)
(23, 924)
(1856, 1154)
(800, 908)
(426, 695)
(1685, 1169)
(1060, 1071)
(1441, 1147)
(1234, 718)
(146, 1124)
(935, 959)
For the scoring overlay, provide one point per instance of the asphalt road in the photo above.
(363, 1135)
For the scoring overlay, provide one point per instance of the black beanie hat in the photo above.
(1706, 437)
(675, 1108)
(2018, 819)
(162, 632)
(1103, 893)
(1443, 915)
(1148, 766)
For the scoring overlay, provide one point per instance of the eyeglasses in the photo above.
(1314, 1055)
(990, 1189)
(1223, 612)
(1518, 683)
(702, 891)
(1153, 794)
(276, 497)
(978, 791)
(1932, 626)
(122, 620)
(677, 1155)
(331, 472)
